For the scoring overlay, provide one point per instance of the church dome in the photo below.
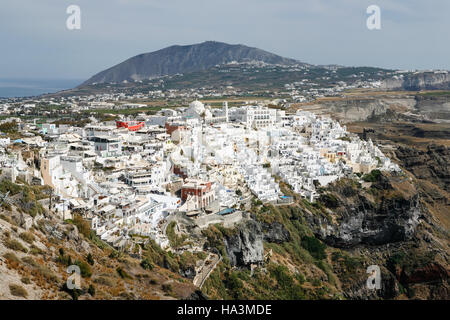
(197, 107)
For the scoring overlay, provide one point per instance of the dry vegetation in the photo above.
(34, 262)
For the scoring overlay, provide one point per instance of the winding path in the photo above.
(206, 270)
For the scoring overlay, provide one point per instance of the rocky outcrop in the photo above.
(275, 232)
(394, 220)
(419, 81)
(359, 290)
(350, 109)
(188, 272)
(429, 273)
(360, 219)
(435, 106)
(245, 246)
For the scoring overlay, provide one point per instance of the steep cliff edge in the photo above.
(37, 247)
(375, 215)
(419, 81)
(385, 224)
(322, 250)
(245, 246)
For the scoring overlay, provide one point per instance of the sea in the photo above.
(11, 88)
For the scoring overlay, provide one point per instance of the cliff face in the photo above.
(434, 106)
(385, 107)
(246, 245)
(420, 81)
(374, 216)
(275, 232)
(389, 225)
(350, 109)
(385, 223)
(430, 164)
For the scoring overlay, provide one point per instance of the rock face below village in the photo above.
(245, 246)
(379, 215)
(275, 232)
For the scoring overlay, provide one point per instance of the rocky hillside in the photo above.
(36, 248)
(384, 211)
(182, 59)
(322, 250)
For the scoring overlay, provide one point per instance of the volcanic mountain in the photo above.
(182, 59)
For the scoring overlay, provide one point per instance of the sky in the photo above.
(36, 44)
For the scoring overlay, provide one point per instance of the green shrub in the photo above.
(146, 264)
(9, 127)
(30, 261)
(122, 273)
(314, 246)
(281, 274)
(372, 176)
(15, 245)
(74, 293)
(63, 258)
(167, 288)
(6, 218)
(82, 225)
(25, 280)
(104, 281)
(300, 278)
(316, 282)
(287, 288)
(85, 269)
(11, 257)
(409, 261)
(329, 200)
(18, 291)
(27, 237)
(175, 240)
(114, 254)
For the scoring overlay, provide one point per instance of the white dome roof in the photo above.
(197, 106)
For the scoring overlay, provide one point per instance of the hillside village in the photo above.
(217, 171)
(131, 177)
